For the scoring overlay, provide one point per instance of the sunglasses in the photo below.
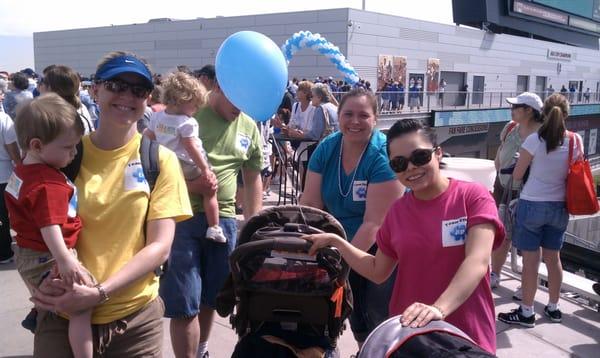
(515, 106)
(418, 157)
(120, 86)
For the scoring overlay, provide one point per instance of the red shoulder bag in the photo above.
(581, 194)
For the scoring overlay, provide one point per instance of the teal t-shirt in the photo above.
(229, 146)
(373, 168)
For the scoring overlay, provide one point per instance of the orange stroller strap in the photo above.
(338, 297)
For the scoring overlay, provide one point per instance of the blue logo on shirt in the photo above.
(244, 143)
(138, 175)
(361, 192)
(459, 232)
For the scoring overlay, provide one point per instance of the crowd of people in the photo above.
(95, 219)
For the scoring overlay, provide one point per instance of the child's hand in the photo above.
(321, 240)
(71, 271)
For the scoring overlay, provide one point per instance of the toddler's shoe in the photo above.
(216, 234)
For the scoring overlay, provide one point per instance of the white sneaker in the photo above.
(518, 295)
(494, 280)
(215, 233)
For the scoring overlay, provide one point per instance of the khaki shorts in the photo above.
(34, 265)
(138, 335)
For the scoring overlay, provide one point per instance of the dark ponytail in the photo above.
(555, 111)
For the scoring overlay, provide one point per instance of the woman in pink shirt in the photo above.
(440, 234)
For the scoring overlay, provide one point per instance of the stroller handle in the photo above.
(291, 244)
(278, 243)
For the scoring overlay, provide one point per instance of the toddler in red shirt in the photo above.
(42, 204)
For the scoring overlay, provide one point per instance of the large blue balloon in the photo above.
(252, 72)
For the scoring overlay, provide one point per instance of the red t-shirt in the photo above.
(38, 196)
(427, 239)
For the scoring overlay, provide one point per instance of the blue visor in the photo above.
(124, 64)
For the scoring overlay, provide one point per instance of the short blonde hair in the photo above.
(306, 87)
(180, 87)
(45, 118)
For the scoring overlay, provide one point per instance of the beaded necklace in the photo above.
(345, 195)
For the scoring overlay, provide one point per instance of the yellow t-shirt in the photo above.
(113, 199)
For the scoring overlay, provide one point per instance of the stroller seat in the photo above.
(277, 289)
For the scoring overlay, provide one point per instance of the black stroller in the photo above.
(281, 301)
(437, 339)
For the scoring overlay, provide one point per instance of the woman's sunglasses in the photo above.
(515, 106)
(120, 86)
(418, 157)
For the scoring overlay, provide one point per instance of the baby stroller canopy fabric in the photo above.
(437, 339)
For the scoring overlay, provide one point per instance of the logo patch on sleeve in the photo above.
(454, 232)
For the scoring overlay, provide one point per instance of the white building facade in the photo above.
(485, 61)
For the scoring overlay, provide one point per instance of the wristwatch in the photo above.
(103, 295)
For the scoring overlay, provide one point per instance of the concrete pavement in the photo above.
(577, 336)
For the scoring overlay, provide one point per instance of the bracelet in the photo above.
(103, 295)
(440, 310)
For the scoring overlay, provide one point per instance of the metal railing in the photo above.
(405, 102)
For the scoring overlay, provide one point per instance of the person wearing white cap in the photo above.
(526, 118)
(541, 217)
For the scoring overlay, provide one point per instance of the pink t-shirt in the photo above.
(427, 239)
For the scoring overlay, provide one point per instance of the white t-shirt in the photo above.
(170, 128)
(302, 119)
(85, 117)
(7, 136)
(548, 171)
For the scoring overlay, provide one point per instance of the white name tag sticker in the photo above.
(454, 232)
(243, 143)
(14, 185)
(134, 177)
(359, 190)
(74, 202)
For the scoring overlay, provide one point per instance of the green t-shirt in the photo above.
(229, 147)
(511, 144)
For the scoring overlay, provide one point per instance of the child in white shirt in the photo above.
(176, 129)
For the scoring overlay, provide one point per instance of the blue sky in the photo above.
(18, 22)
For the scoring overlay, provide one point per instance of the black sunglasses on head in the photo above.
(120, 86)
(418, 157)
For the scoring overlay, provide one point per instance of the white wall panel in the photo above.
(166, 44)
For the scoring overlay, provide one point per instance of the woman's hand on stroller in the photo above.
(419, 315)
(321, 240)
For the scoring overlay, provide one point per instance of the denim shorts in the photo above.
(540, 224)
(197, 267)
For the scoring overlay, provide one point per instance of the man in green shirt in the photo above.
(197, 266)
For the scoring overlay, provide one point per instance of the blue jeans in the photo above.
(197, 267)
(540, 224)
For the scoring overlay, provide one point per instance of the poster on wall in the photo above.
(433, 74)
(399, 74)
(384, 70)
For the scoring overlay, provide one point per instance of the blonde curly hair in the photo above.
(180, 87)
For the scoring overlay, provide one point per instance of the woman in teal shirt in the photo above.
(349, 175)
